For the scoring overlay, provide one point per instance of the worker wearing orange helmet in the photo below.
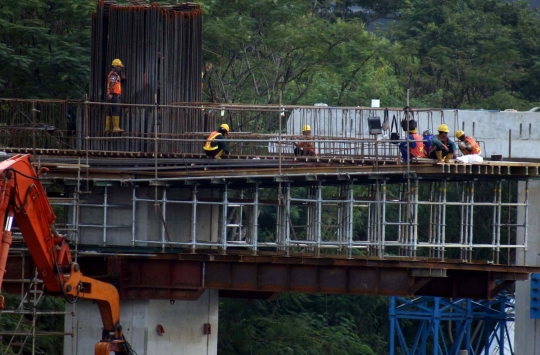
(442, 146)
(305, 148)
(215, 144)
(114, 92)
(468, 145)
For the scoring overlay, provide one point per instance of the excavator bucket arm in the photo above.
(23, 199)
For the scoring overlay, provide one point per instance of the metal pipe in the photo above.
(133, 215)
(194, 203)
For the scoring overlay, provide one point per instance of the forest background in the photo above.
(482, 54)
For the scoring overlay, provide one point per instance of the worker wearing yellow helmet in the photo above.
(114, 92)
(442, 146)
(305, 148)
(468, 145)
(215, 144)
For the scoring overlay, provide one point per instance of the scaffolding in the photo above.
(29, 311)
(374, 217)
(453, 327)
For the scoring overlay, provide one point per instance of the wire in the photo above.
(128, 346)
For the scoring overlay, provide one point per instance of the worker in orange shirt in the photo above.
(305, 148)
(467, 144)
(416, 148)
(215, 144)
(114, 92)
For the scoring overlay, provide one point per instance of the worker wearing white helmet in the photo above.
(305, 148)
(442, 146)
(215, 144)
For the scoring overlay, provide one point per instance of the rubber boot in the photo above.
(448, 157)
(107, 124)
(438, 153)
(116, 124)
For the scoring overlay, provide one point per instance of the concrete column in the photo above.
(527, 330)
(182, 321)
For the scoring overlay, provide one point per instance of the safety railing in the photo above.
(183, 128)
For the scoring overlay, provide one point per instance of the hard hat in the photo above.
(459, 133)
(225, 127)
(306, 128)
(443, 128)
(117, 63)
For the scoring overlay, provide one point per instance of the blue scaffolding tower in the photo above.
(448, 327)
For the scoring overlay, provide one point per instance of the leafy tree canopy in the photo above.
(45, 48)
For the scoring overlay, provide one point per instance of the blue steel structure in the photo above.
(446, 327)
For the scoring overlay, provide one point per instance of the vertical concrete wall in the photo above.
(183, 322)
(527, 330)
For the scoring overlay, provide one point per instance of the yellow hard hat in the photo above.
(225, 127)
(306, 128)
(443, 128)
(117, 63)
(459, 133)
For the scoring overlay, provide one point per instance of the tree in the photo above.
(295, 324)
(462, 53)
(256, 50)
(45, 48)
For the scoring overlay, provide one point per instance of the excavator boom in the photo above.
(23, 199)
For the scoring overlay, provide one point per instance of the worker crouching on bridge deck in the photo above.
(467, 144)
(416, 148)
(215, 144)
(305, 148)
(114, 92)
(442, 146)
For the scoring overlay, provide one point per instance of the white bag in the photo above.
(470, 159)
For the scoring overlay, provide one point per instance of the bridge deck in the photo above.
(394, 257)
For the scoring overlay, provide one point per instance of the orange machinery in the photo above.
(23, 199)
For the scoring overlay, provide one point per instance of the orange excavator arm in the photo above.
(23, 199)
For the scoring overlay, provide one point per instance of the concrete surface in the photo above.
(183, 322)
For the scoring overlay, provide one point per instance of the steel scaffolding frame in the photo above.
(478, 327)
(23, 338)
(400, 219)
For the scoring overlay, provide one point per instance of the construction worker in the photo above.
(415, 149)
(305, 148)
(215, 144)
(467, 144)
(442, 146)
(114, 91)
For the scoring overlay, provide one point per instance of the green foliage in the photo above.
(259, 49)
(468, 53)
(45, 48)
(23, 324)
(304, 324)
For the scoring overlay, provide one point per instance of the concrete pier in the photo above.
(527, 330)
(184, 324)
